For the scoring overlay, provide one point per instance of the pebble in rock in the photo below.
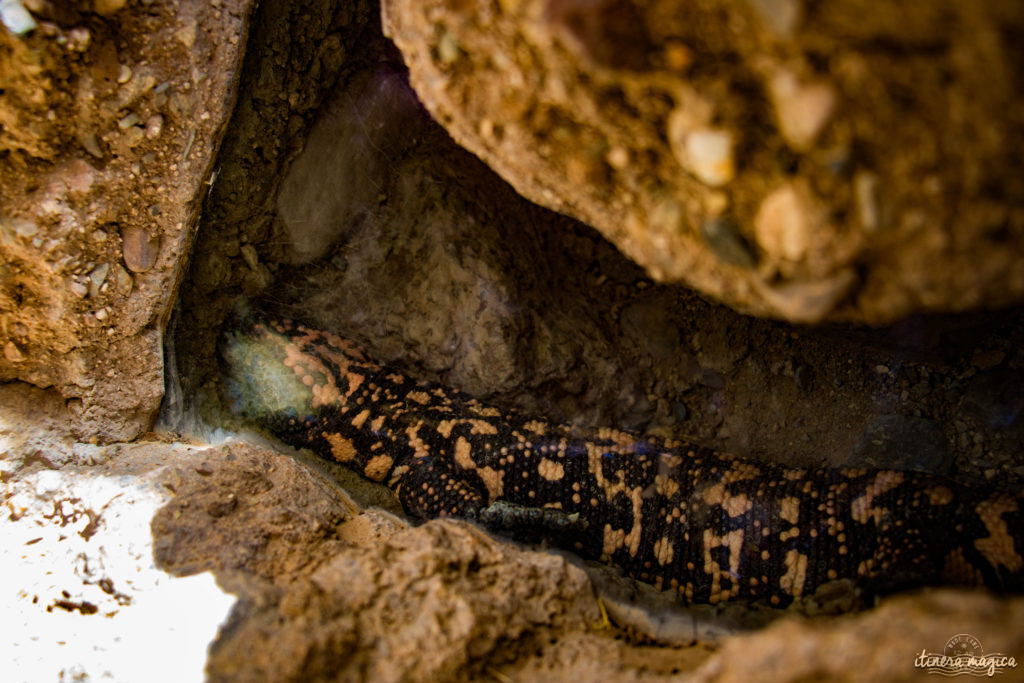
(139, 248)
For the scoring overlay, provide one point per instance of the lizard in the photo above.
(709, 525)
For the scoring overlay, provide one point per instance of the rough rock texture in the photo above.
(879, 645)
(847, 160)
(329, 590)
(386, 232)
(332, 592)
(382, 230)
(296, 53)
(108, 124)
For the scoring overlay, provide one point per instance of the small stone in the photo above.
(724, 237)
(124, 75)
(128, 121)
(133, 136)
(16, 18)
(101, 314)
(97, 278)
(122, 280)
(78, 176)
(617, 157)
(107, 6)
(782, 15)
(783, 224)
(99, 235)
(865, 192)
(90, 144)
(448, 48)
(139, 248)
(250, 256)
(186, 35)
(708, 154)
(882, 369)
(78, 289)
(807, 301)
(678, 56)
(12, 353)
(802, 109)
(79, 39)
(21, 227)
(716, 203)
(154, 126)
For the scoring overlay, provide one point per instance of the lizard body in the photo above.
(709, 525)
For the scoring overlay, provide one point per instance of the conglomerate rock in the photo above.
(850, 160)
(108, 127)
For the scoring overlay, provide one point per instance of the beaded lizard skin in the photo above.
(709, 525)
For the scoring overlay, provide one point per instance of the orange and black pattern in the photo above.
(709, 525)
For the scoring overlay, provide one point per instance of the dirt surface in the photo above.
(108, 125)
(849, 160)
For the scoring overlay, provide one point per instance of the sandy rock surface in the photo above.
(108, 124)
(854, 161)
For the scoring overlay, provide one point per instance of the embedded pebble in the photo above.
(139, 248)
(448, 49)
(708, 154)
(783, 223)
(107, 6)
(724, 237)
(808, 301)
(79, 176)
(865, 192)
(802, 109)
(22, 227)
(128, 121)
(79, 39)
(12, 353)
(16, 18)
(90, 144)
(154, 126)
(187, 35)
(122, 279)
(617, 157)
(124, 74)
(133, 136)
(101, 314)
(782, 15)
(97, 277)
(78, 289)
(250, 256)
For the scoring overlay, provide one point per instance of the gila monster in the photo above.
(709, 525)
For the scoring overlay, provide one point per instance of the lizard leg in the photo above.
(428, 489)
